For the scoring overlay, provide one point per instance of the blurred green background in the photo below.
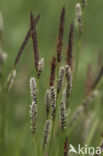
(16, 23)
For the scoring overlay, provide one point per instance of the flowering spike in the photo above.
(3, 56)
(53, 101)
(25, 42)
(11, 79)
(83, 107)
(84, 2)
(35, 42)
(46, 133)
(90, 98)
(69, 81)
(79, 16)
(63, 115)
(47, 101)
(60, 36)
(87, 126)
(66, 147)
(52, 75)
(40, 66)
(76, 115)
(60, 79)
(33, 107)
(70, 46)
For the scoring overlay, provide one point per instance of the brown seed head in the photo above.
(60, 36)
(53, 66)
(66, 146)
(70, 46)
(25, 42)
(35, 42)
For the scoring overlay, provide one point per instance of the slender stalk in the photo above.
(50, 144)
(53, 125)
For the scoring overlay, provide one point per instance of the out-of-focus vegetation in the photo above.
(16, 122)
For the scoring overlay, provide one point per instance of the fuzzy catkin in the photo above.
(69, 81)
(11, 79)
(47, 102)
(46, 132)
(33, 115)
(40, 66)
(60, 79)
(79, 16)
(63, 115)
(33, 107)
(53, 101)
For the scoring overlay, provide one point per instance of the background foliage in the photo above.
(18, 137)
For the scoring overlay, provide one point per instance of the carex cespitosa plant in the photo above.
(59, 121)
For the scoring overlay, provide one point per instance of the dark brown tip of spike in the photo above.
(35, 41)
(66, 147)
(53, 66)
(70, 46)
(25, 42)
(60, 36)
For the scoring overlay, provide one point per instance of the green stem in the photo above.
(53, 127)
(77, 58)
(51, 139)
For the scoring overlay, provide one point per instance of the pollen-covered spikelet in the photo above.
(60, 79)
(46, 132)
(79, 16)
(11, 79)
(53, 101)
(69, 81)
(33, 107)
(47, 102)
(40, 66)
(63, 115)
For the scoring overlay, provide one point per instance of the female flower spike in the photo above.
(33, 107)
